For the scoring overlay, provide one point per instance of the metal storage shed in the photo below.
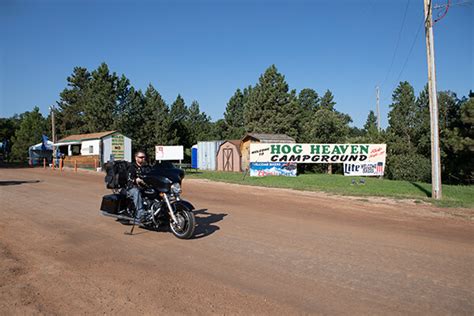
(229, 156)
(260, 138)
(207, 152)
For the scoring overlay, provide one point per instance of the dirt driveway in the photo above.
(256, 251)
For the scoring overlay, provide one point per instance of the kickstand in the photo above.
(131, 231)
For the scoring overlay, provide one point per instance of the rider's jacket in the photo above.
(135, 171)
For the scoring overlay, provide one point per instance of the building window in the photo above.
(91, 149)
(76, 150)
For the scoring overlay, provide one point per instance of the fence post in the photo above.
(95, 164)
(60, 165)
(44, 163)
(75, 165)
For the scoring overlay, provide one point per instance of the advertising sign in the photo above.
(262, 169)
(118, 147)
(318, 153)
(364, 169)
(169, 152)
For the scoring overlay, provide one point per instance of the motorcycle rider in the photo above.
(135, 182)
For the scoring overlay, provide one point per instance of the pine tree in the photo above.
(155, 122)
(403, 118)
(102, 96)
(403, 160)
(271, 108)
(309, 103)
(130, 120)
(199, 124)
(234, 114)
(32, 127)
(73, 103)
(327, 101)
(179, 134)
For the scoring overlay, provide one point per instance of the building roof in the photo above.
(235, 142)
(80, 137)
(270, 138)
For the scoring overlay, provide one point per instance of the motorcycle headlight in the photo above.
(175, 188)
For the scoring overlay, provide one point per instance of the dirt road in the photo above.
(256, 251)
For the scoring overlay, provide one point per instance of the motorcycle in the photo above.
(161, 195)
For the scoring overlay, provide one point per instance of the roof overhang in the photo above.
(72, 142)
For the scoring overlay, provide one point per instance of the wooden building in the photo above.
(260, 138)
(229, 156)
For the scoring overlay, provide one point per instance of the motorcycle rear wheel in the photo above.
(184, 228)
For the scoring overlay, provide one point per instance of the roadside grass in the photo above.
(453, 195)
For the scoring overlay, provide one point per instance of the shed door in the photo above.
(228, 159)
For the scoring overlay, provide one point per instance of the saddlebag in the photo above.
(112, 203)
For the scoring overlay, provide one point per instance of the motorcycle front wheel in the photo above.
(184, 227)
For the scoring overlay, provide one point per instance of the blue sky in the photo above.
(205, 50)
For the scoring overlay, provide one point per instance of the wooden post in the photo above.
(75, 165)
(44, 163)
(60, 165)
(52, 164)
(436, 192)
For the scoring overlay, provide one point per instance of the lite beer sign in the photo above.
(364, 169)
(318, 153)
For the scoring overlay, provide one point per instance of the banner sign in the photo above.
(364, 169)
(118, 147)
(317, 153)
(262, 169)
(169, 152)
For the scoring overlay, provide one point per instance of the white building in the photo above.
(96, 147)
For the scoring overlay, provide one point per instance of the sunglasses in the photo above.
(141, 157)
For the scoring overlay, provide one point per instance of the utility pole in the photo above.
(378, 107)
(435, 154)
(53, 131)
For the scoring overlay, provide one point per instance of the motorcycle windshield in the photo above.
(176, 175)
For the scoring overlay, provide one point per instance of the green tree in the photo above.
(329, 126)
(8, 128)
(370, 128)
(309, 103)
(460, 145)
(179, 134)
(130, 122)
(32, 127)
(102, 96)
(73, 103)
(402, 119)
(327, 101)
(403, 160)
(271, 108)
(198, 124)
(234, 114)
(124, 94)
(219, 130)
(155, 122)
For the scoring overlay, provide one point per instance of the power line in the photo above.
(439, 6)
(408, 56)
(398, 43)
(440, 17)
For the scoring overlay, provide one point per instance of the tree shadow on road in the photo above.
(422, 189)
(14, 165)
(17, 182)
(205, 221)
